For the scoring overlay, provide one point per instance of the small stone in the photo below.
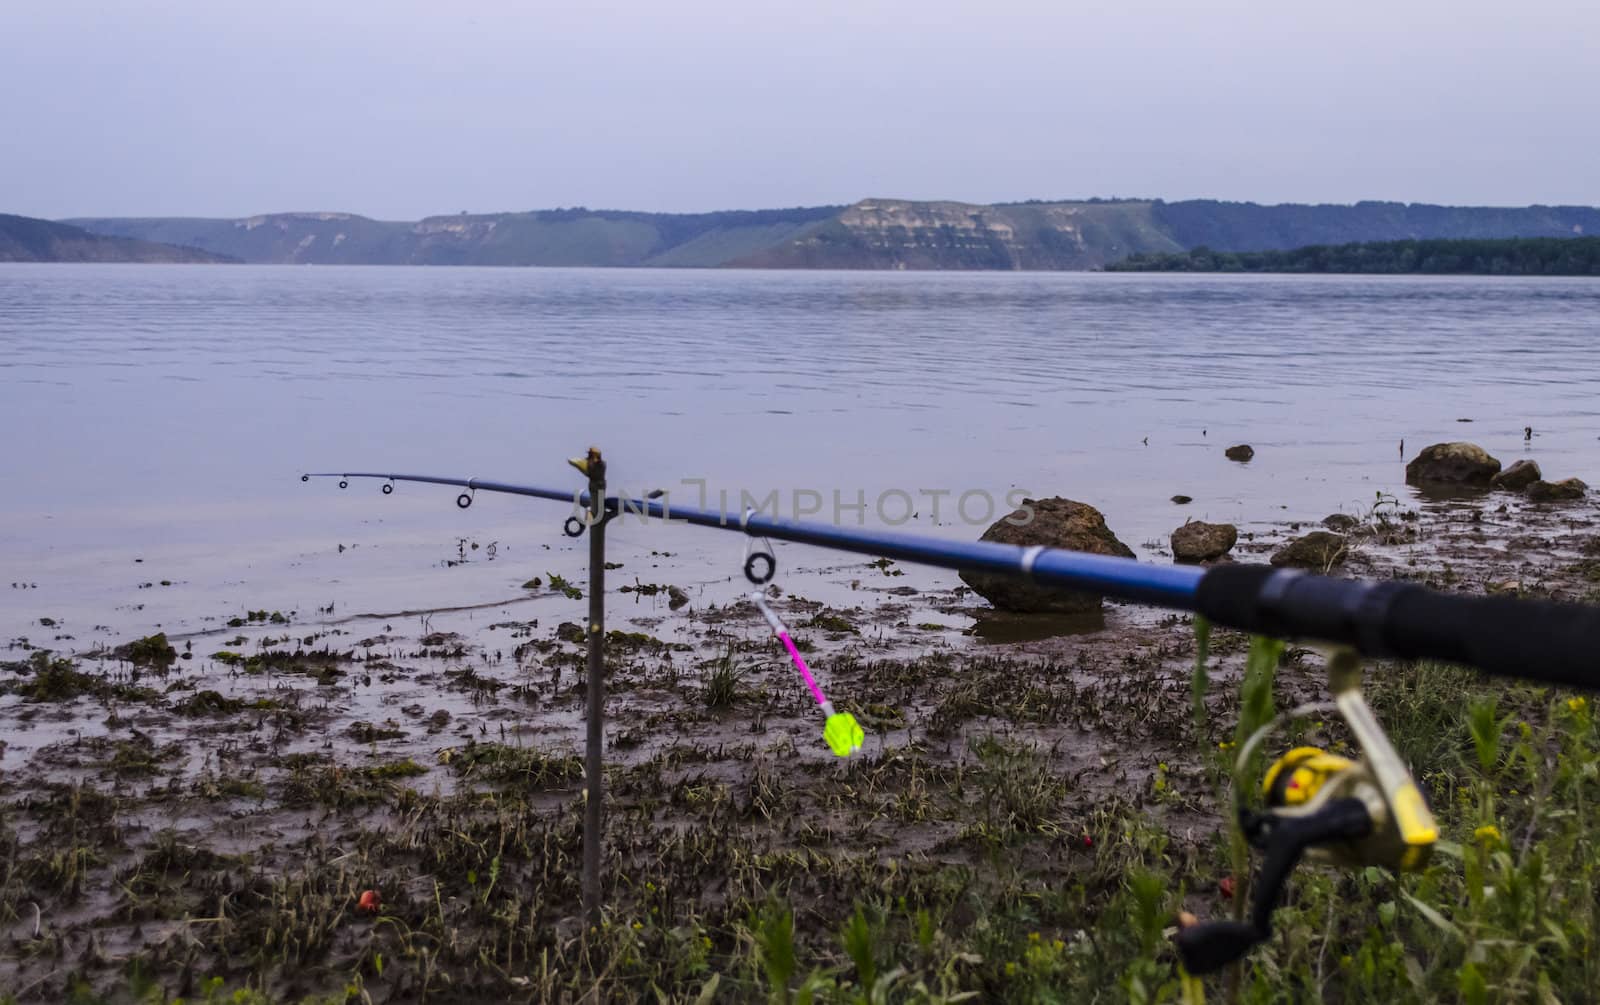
(1569, 490)
(1452, 464)
(1517, 477)
(1182, 500)
(1197, 541)
(1341, 522)
(1318, 550)
(1240, 452)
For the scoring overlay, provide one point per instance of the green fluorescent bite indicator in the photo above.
(844, 736)
(841, 731)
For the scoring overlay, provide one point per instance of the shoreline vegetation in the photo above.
(296, 809)
(1544, 256)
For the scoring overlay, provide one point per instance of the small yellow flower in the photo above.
(1488, 834)
(1011, 970)
(1576, 704)
(1058, 945)
(1033, 936)
(637, 925)
(1226, 745)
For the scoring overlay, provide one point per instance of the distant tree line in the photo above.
(1246, 226)
(1534, 256)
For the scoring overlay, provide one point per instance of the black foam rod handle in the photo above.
(1528, 639)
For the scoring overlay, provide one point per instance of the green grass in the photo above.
(52, 679)
(793, 882)
(723, 683)
(1506, 911)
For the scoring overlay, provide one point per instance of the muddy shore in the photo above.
(221, 812)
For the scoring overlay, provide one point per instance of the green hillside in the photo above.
(570, 237)
(278, 238)
(25, 239)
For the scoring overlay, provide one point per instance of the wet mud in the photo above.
(221, 804)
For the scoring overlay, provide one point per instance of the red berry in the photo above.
(1226, 887)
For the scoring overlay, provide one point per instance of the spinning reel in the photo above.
(1325, 807)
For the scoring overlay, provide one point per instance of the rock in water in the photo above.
(1452, 464)
(1518, 476)
(1183, 500)
(1318, 550)
(1341, 522)
(1569, 490)
(1240, 452)
(1197, 541)
(1055, 523)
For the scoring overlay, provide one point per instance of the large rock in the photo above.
(1452, 464)
(1570, 490)
(1518, 476)
(1056, 523)
(1197, 541)
(1318, 550)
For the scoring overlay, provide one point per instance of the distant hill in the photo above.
(25, 239)
(1517, 256)
(897, 234)
(543, 237)
(871, 234)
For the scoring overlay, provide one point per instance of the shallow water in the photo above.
(159, 417)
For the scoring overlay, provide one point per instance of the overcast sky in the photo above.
(402, 108)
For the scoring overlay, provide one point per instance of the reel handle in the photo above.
(1208, 947)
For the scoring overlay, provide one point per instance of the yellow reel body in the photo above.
(1295, 778)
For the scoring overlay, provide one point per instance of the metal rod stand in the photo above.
(593, 767)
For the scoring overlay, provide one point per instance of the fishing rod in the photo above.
(1533, 640)
(1367, 812)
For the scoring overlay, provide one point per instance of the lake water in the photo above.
(157, 418)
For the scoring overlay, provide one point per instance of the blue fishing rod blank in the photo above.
(1173, 586)
(1528, 639)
